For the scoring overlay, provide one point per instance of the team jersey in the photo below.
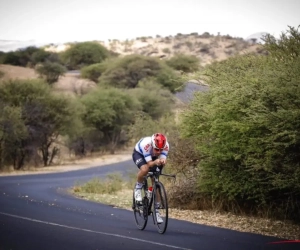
(145, 148)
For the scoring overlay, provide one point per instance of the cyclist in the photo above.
(150, 155)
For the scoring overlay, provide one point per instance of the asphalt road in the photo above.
(36, 212)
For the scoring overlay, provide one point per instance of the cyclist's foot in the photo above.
(158, 205)
(138, 195)
(158, 217)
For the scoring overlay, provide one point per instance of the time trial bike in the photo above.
(154, 202)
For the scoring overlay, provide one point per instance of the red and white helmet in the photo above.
(158, 141)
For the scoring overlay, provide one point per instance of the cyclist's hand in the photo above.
(157, 162)
(163, 161)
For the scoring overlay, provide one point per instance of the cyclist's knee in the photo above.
(144, 169)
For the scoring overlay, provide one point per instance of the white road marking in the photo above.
(92, 231)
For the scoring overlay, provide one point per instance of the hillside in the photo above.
(206, 47)
(69, 83)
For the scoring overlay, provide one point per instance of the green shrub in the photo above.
(83, 54)
(109, 111)
(246, 129)
(94, 71)
(51, 71)
(154, 100)
(185, 63)
(126, 72)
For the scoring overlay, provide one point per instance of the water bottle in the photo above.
(149, 193)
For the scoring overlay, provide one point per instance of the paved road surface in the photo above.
(37, 213)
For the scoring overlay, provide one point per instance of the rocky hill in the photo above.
(206, 47)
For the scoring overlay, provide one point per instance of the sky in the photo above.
(60, 21)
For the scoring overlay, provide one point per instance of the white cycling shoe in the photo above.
(138, 195)
(158, 217)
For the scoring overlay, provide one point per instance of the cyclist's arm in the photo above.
(151, 163)
(164, 154)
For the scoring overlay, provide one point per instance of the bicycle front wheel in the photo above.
(160, 208)
(140, 210)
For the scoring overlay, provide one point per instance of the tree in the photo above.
(51, 71)
(154, 100)
(83, 54)
(126, 72)
(110, 111)
(94, 71)
(2, 57)
(21, 57)
(185, 63)
(45, 115)
(12, 132)
(40, 56)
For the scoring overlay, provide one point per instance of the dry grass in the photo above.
(16, 72)
(69, 83)
(281, 229)
(121, 196)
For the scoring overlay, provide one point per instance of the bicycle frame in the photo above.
(148, 203)
(155, 176)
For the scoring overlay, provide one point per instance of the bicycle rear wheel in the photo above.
(140, 211)
(160, 204)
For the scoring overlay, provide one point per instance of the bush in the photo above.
(83, 54)
(94, 71)
(183, 160)
(51, 71)
(28, 57)
(154, 100)
(21, 57)
(126, 72)
(247, 130)
(2, 57)
(109, 111)
(40, 56)
(185, 63)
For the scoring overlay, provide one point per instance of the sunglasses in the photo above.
(158, 150)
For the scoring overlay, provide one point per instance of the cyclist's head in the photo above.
(158, 141)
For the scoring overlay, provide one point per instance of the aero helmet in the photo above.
(158, 141)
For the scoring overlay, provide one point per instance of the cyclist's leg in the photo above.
(144, 169)
(140, 162)
(158, 198)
